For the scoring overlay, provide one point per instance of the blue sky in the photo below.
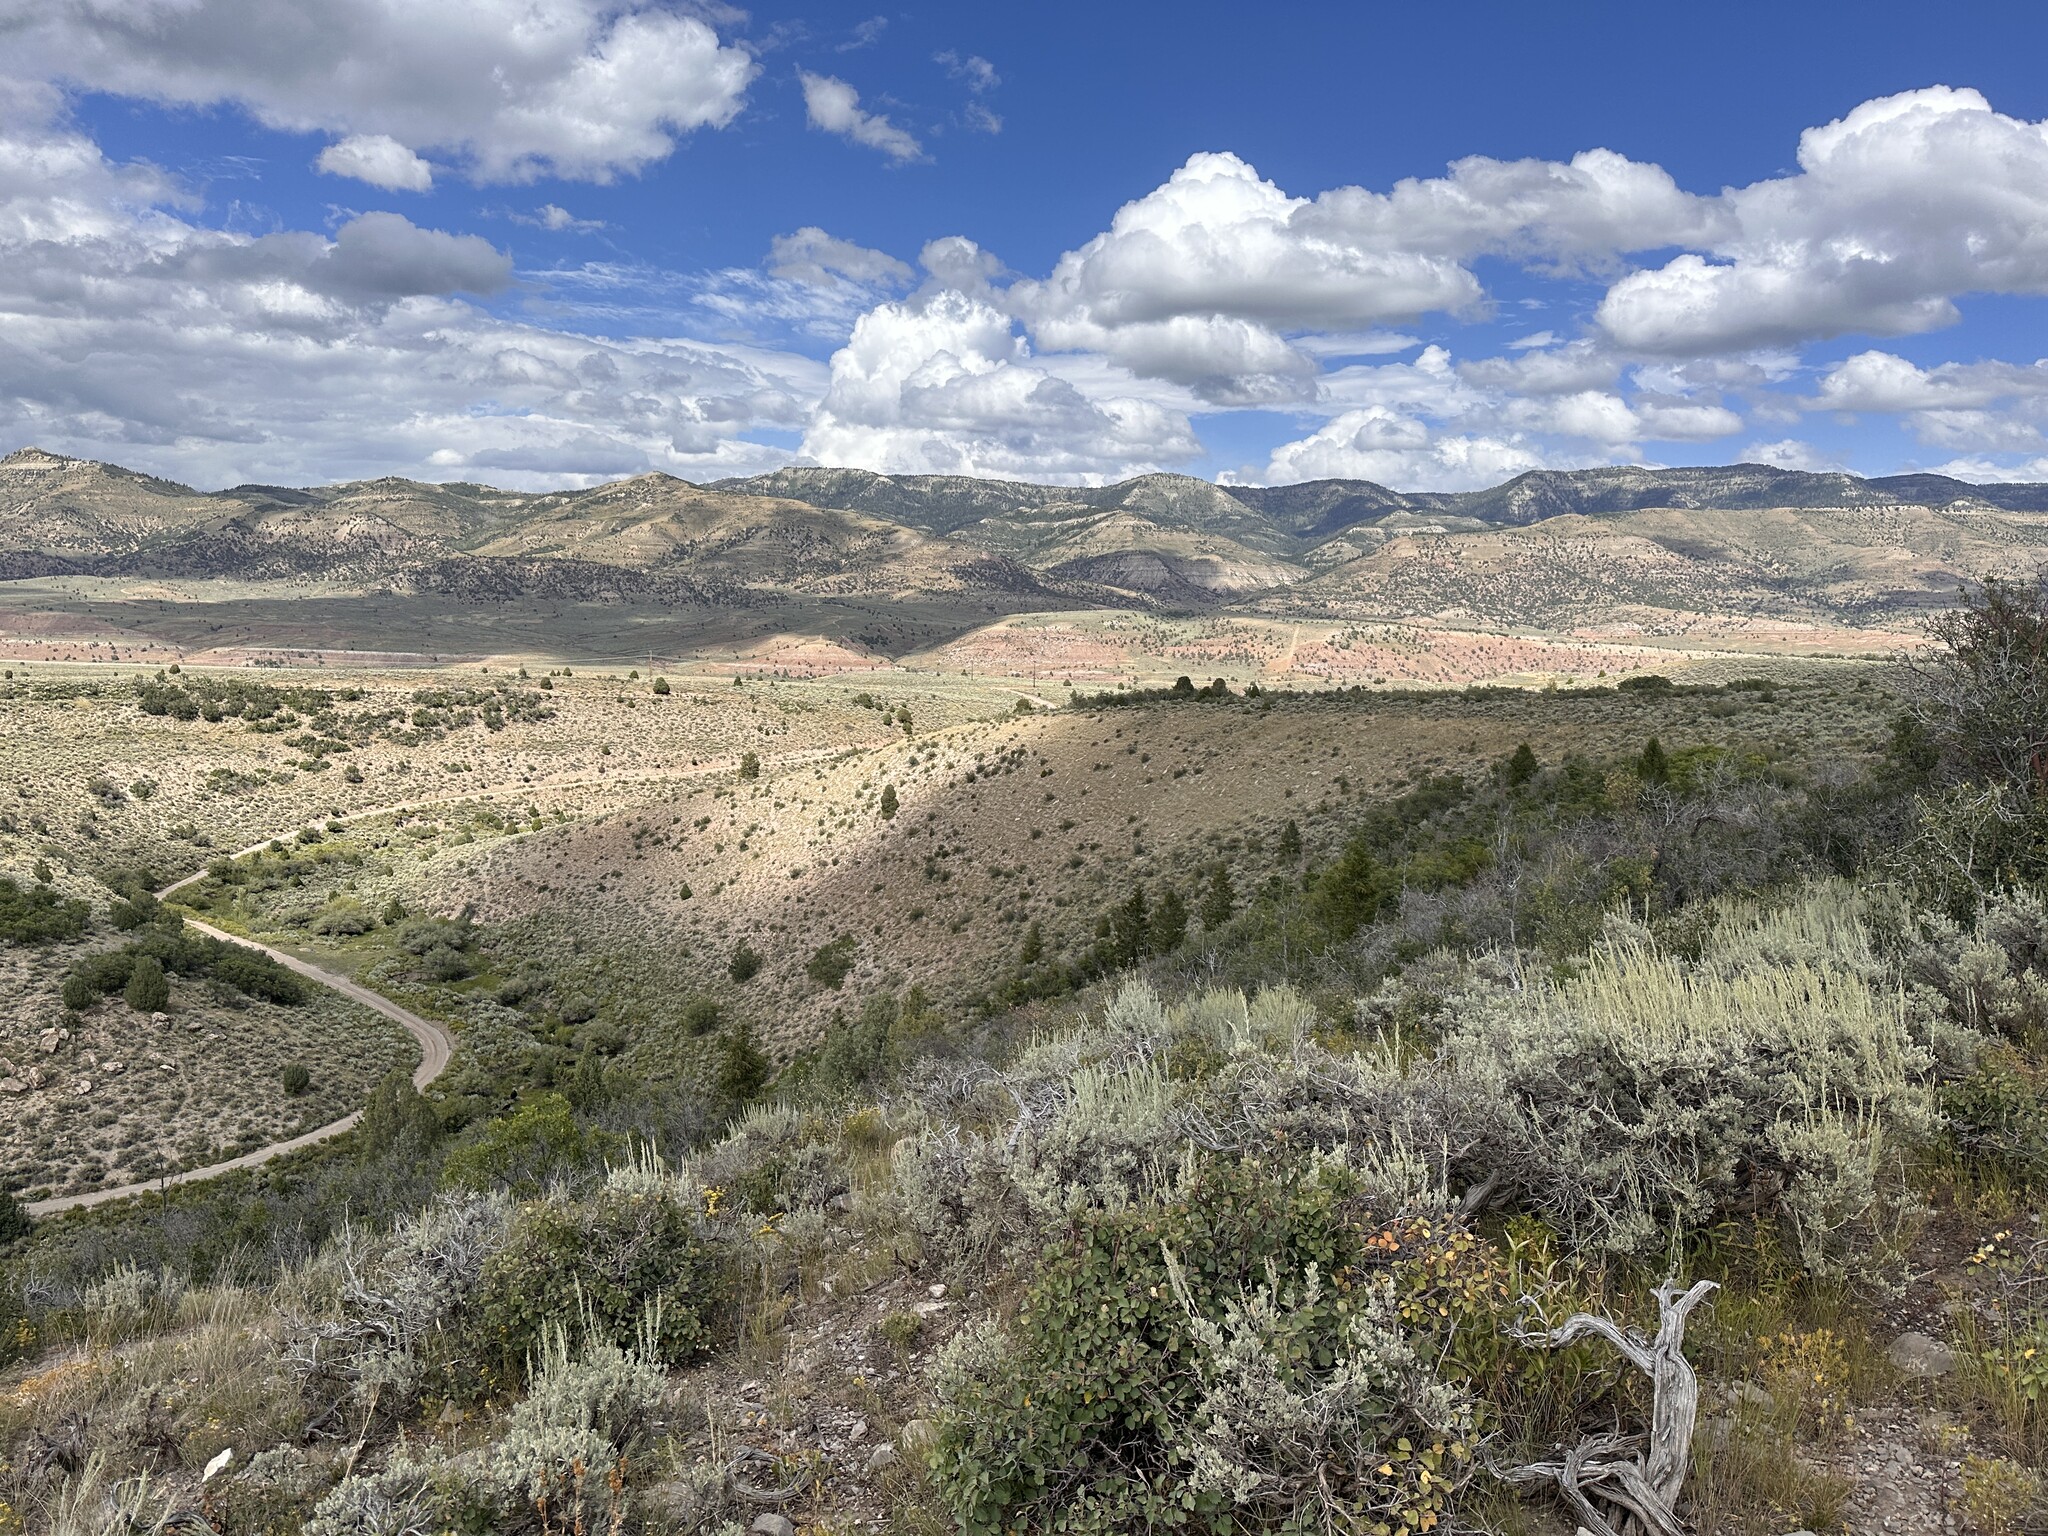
(544, 242)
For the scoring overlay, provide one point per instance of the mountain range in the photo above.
(1659, 550)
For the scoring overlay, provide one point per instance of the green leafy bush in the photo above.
(1254, 1352)
(39, 915)
(173, 948)
(521, 1151)
(147, 989)
(745, 964)
(615, 1256)
(829, 964)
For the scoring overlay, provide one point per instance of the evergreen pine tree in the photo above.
(1219, 901)
(1290, 843)
(1169, 923)
(742, 1070)
(1653, 767)
(1347, 895)
(586, 1088)
(148, 990)
(1522, 766)
(1130, 928)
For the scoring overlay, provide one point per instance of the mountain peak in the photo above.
(37, 459)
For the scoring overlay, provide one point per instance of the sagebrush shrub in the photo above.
(1649, 1095)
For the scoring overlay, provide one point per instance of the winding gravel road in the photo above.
(435, 1044)
(435, 1049)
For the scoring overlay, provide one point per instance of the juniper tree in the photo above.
(1169, 923)
(1218, 901)
(1290, 843)
(742, 1070)
(1349, 894)
(1521, 766)
(148, 991)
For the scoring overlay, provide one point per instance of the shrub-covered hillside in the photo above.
(1638, 1140)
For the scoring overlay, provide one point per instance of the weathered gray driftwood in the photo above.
(1632, 1479)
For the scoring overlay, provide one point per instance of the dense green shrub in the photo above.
(343, 918)
(1256, 1352)
(829, 964)
(147, 989)
(520, 1152)
(745, 964)
(632, 1249)
(173, 948)
(742, 1069)
(39, 915)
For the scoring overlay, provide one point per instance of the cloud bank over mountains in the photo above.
(137, 323)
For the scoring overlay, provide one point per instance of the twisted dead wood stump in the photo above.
(1633, 1479)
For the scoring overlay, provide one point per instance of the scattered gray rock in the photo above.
(772, 1524)
(881, 1457)
(1916, 1354)
(1749, 1394)
(918, 1436)
(12, 1085)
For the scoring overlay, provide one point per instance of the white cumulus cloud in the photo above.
(1898, 208)
(129, 332)
(508, 89)
(378, 159)
(833, 105)
(941, 384)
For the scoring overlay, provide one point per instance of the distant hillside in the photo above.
(1640, 550)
